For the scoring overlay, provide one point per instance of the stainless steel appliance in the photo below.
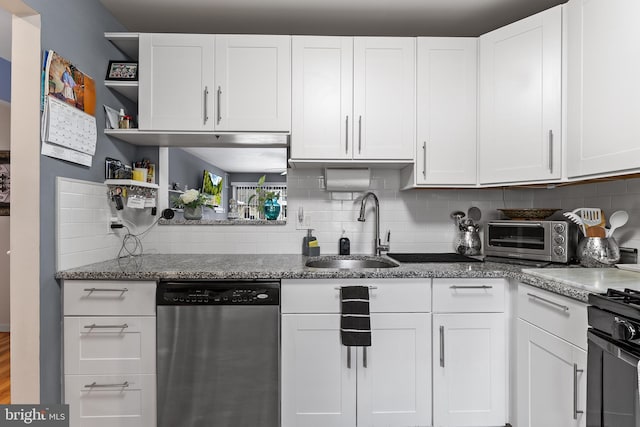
(613, 356)
(218, 353)
(552, 241)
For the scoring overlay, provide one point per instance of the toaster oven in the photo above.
(552, 241)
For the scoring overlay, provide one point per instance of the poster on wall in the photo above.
(62, 80)
(5, 183)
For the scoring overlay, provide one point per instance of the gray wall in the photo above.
(5, 80)
(74, 29)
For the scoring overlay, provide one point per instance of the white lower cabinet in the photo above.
(109, 353)
(551, 359)
(385, 385)
(469, 368)
(551, 380)
(469, 352)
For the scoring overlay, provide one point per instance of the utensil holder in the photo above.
(598, 252)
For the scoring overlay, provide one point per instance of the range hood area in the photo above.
(201, 139)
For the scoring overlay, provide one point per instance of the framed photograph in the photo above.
(5, 183)
(122, 71)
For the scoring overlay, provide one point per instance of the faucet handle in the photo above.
(388, 237)
(385, 246)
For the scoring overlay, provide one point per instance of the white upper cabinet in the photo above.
(322, 89)
(353, 98)
(176, 82)
(603, 130)
(384, 97)
(521, 100)
(253, 83)
(446, 113)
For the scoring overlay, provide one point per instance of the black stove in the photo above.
(613, 361)
(418, 258)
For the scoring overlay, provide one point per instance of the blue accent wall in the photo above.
(5, 80)
(74, 29)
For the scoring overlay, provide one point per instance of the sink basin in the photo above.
(350, 262)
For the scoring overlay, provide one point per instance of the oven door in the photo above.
(612, 383)
(519, 239)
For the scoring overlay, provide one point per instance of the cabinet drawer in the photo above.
(554, 313)
(469, 295)
(109, 297)
(109, 345)
(385, 295)
(111, 400)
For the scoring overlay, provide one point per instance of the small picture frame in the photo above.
(5, 183)
(122, 71)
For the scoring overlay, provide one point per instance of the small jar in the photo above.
(125, 122)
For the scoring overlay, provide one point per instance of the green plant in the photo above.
(191, 199)
(262, 194)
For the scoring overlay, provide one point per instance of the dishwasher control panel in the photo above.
(222, 293)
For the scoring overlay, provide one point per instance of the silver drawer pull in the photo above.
(553, 303)
(576, 411)
(96, 385)
(470, 287)
(94, 326)
(337, 288)
(92, 290)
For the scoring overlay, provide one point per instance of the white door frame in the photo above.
(24, 244)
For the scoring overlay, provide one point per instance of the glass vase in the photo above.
(271, 209)
(193, 213)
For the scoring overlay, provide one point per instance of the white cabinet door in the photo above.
(469, 370)
(550, 371)
(603, 129)
(176, 82)
(322, 92)
(394, 382)
(253, 83)
(384, 98)
(447, 96)
(520, 100)
(318, 386)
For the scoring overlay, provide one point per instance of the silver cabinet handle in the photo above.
(92, 290)
(206, 112)
(349, 357)
(218, 104)
(576, 371)
(442, 346)
(96, 385)
(550, 151)
(553, 303)
(346, 135)
(424, 166)
(359, 134)
(364, 357)
(471, 287)
(94, 326)
(337, 288)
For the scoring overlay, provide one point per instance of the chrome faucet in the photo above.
(379, 247)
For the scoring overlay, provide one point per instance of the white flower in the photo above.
(189, 196)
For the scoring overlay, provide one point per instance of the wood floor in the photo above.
(5, 383)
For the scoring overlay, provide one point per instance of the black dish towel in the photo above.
(355, 324)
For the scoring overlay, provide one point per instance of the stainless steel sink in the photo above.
(350, 262)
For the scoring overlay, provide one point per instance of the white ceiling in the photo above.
(324, 17)
(259, 160)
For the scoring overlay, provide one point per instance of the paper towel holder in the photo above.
(347, 179)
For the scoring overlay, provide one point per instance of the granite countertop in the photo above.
(259, 266)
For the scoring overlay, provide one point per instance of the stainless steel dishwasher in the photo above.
(218, 354)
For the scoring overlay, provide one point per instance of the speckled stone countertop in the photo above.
(259, 266)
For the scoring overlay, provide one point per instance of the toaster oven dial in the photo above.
(558, 250)
(559, 228)
(559, 239)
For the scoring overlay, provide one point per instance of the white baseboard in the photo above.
(4, 327)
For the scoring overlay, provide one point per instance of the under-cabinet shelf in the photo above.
(130, 182)
(199, 139)
(127, 89)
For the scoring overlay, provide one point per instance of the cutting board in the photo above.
(591, 279)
